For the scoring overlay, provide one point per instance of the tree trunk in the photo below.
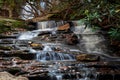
(10, 13)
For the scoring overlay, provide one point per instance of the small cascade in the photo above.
(50, 24)
(31, 34)
(43, 25)
(54, 71)
(28, 35)
(45, 55)
(47, 48)
(76, 72)
(90, 41)
(49, 54)
(59, 77)
(94, 42)
(46, 24)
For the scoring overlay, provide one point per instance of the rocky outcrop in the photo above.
(8, 76)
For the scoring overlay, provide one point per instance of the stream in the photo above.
(57, 57)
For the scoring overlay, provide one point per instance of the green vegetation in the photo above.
(104, 14)
(11, 8)
(114, 33)
(7, 24)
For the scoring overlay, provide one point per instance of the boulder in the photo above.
(8, 76)
(87, 57)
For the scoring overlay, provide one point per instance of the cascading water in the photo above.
(47, 48)
(94, 43)
(42, 26)
(78, 72)
(28, 35)
(49, 54)
(90, 41)
(50, 24)
(31, 34)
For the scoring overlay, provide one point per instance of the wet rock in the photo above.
(7, 37)
(23, 56)
(20, 54)
(71, 39)
(6, 41)
(6, 63)
(13, 70)
(91, 76)
(36, 45)
(64, 28)
(1, 52)
(8, 76)
(32, 26)
(105, 77)
(66, 76)
(87, 57)
(5, 48)
(39, 77)
(44, 33)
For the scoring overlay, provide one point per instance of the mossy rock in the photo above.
(7, 24)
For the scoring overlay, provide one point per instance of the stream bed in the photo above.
(51, 55)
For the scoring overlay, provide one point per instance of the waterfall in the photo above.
(28, 35)
(42, 26)
(90, 41)
(94, 42)
(47, 48)
(31, 34)
(59, 77)
(49, 54)
(50, 24)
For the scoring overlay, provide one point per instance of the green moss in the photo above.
(20, 24)
(7, 24)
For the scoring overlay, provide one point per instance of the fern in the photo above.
(114, 33)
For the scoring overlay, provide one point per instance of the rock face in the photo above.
(87, 57)
(8, 76)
